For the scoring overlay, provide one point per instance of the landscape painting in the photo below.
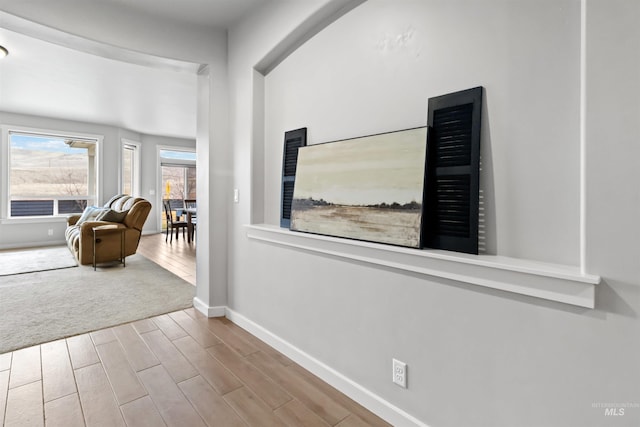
(368, 188)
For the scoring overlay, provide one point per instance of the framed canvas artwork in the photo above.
(369, 188)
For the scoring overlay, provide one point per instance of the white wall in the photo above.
(374, 70)
(475, 356)
(14, 234)
(249, 42)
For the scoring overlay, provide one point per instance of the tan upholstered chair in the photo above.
(122, 211)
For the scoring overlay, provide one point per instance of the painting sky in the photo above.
(384, 168)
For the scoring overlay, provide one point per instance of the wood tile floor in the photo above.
(179, 257)
(178, 369)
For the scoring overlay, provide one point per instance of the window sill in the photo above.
(35, 220)
(553, 282)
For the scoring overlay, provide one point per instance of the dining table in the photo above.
(190, 213)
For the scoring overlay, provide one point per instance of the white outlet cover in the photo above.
(400, 373)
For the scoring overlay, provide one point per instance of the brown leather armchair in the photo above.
(122, 211)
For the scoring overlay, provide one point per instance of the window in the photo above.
(50, 174)
(178, 174)
(130, 180)
(178, 177)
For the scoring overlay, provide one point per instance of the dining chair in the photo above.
(172, 223)
(190, 208)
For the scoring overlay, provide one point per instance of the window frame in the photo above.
(5, 181)
(136, 187)
(173, 162)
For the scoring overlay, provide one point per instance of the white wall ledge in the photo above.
(35, 219)
(553, 282)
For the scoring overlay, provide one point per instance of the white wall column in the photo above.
(213, 193)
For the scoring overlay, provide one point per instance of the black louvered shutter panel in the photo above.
(453, 171)
(293, 140)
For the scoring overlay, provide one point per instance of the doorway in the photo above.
(177, 178)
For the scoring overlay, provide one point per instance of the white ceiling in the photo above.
(215, 14)
(111, 85)
(211, 13)
(45, 79)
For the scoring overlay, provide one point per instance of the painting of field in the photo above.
(367, 188)
(401, 227)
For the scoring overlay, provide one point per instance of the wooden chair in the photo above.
(172, 223)
(190, 207)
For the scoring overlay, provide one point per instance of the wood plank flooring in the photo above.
(177, 369)
(179, 257)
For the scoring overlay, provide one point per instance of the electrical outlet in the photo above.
(236, 195)
(400, 373)
(50, 232)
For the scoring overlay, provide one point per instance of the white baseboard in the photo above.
(208, 311)
(355, 391)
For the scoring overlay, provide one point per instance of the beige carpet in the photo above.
(44, 306)
(29, 260)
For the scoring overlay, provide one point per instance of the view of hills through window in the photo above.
(49, 174)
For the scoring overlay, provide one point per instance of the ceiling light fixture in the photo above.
(3, 52)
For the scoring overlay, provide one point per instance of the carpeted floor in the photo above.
(29, 260)
(48, 305)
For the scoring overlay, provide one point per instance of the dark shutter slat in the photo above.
(452, 206)
(287, 199)
(452, 183)
(293, 140)
(452, 131)
(291, 146)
